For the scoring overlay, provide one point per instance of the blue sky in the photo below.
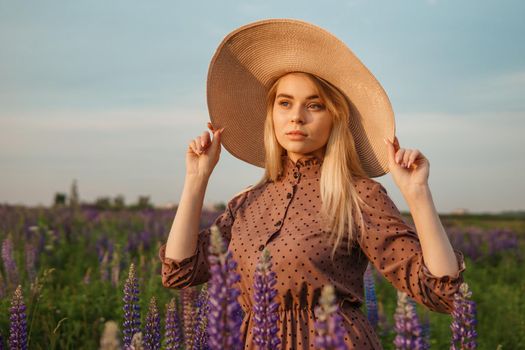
(110, 93)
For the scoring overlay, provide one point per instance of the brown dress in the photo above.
(283, 216)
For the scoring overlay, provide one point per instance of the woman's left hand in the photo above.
(409, 167)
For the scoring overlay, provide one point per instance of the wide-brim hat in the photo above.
(250, 59)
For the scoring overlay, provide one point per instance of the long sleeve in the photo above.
(194, 270)
(394, 249)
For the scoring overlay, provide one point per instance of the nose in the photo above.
(297, 115)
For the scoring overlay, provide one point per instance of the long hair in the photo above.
(340, 169)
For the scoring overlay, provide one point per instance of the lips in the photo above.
(296, 132)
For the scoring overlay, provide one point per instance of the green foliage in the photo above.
(68, 305)
(497, 286)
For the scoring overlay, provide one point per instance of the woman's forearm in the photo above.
(182, 239)
(438, 253)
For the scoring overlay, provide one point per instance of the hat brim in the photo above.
(249, 60)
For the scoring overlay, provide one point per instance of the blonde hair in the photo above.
(340, 169)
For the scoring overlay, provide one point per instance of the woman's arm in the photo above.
(437, 251)
(394, 248)
(182, 239)
(410, 170)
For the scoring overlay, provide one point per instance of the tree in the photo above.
(60, 199)
(103, 203)
(119, 202)
(143, 203)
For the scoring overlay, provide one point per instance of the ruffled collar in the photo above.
(305, 167)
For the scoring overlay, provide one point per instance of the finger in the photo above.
(406, 157)
(217, 137)
(399, 155)
(210, 126)
(198, 143)
(413, 158)
(205, 138)
(396, 144)
(193, 147)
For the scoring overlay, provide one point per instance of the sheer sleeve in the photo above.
(393, 247)
(194, 270)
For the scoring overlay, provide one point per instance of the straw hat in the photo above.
(250, 59)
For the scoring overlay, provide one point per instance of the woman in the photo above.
(319, 142)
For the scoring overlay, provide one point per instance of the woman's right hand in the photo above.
(203, 154)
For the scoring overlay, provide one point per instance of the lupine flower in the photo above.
(408, 329)
(9, 262)
(464, 320)
(371, 298)
(109, 339)
(152, 328)
(136, 342)
(265, 308)
(223, 327)
(172, 333)
(188, 300)
(201, 319)
(502, 240)
(18, 322)
(330, 331)
(131, 307)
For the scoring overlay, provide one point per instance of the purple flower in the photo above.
(408, 329)
(371, 298)
(188, 299)
(330, 331)
(201, 319)
(223, 325)
(131, 307)
(265, 308)
(18, 322)
(152, 328)
(9, 261)
(172, 335)
(463, 320)
(502, 240)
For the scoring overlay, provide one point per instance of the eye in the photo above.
(317, 105)
(281, 103)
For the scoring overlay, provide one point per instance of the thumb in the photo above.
(217, 138)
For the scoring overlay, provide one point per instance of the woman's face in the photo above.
(298, 106)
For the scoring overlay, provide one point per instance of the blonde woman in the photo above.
(291, 98)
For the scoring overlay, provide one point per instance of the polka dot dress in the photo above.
(284, 217)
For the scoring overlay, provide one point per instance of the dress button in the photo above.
(278, 223)
(261, 247)
(288, 195)
(296, 175)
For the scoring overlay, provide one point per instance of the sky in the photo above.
(110, 93)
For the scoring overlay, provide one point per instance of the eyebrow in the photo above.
(290, 96)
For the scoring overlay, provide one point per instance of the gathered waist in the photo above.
(289, 304)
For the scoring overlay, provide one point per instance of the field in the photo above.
(72, 264)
